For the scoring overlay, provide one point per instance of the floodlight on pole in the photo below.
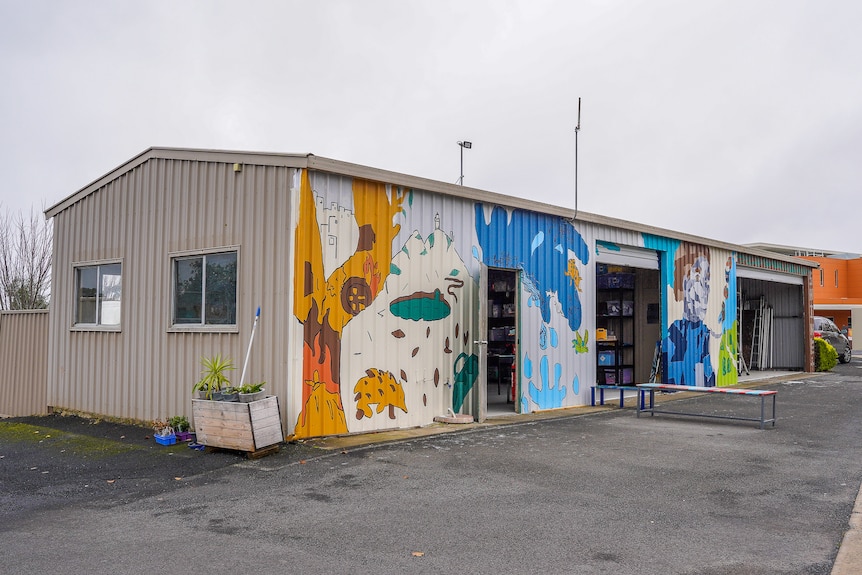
(463, 145)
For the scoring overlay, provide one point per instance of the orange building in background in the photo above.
(838, 288)
(837, 283)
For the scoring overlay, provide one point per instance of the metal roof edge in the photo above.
(323, 164)
(227, 156)
(815, 253)
(374, 174)
(97, 183)
(682, 236)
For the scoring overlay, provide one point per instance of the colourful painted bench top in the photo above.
(700, 389)
(652, 409)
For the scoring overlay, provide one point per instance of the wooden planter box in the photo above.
(243, 426)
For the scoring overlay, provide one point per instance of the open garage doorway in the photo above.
(772, 322)
(628, 324)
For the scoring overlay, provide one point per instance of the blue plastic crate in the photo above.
(166, 439)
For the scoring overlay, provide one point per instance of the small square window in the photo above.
(98, 294)
(205, 289)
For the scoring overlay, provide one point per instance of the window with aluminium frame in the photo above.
(98, 294)
(204, 289)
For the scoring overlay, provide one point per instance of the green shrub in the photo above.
(825, 356)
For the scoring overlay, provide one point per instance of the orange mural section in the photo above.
(324, 305)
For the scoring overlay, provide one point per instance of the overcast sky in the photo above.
(737, 120)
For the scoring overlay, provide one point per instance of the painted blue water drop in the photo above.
(543, 368)
(537, 241)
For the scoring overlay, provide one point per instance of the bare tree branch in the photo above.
(25, 261)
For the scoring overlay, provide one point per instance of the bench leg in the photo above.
(773, 411)
(593, 396)
(763, 411)
(642, 406)
(762, 414)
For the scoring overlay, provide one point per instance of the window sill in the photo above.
(203, 329)
(105, 328)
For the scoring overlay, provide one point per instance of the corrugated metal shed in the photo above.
(369, 282)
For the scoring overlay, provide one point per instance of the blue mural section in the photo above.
(688, 360)
(547, 250)
(728, 314)
(685, 272)
(540, 245)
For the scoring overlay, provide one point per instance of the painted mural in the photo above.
(327, 297)
(387, 301)
(699, 346)
(418, 329)
(386, 306)
(547, 250)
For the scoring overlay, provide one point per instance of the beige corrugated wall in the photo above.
(23, 362)
(146, 370)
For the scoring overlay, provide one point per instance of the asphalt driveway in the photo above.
(602, 493)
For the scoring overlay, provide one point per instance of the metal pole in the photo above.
(577, 129)
(463, 144)
(461, 179)
(248, 353)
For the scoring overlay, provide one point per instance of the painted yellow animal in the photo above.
(381, 388)
(574, 274)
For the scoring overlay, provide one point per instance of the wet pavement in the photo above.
(580, 491)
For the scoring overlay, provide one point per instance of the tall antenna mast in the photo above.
(577, 129)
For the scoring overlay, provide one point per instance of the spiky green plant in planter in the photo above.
(214, 375)
(251, 392)
(251, 387)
